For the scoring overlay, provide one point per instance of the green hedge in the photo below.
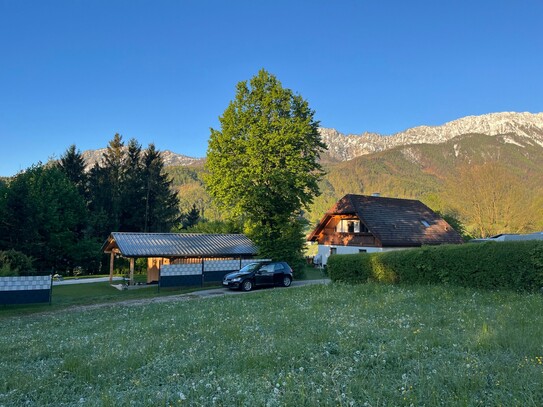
(511, 265)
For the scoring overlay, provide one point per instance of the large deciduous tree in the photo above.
(262, 165)
(491, 200)
(44, 217)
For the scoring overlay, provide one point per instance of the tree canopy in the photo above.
(262, 165)
(59, 214)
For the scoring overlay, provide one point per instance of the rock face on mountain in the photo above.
(170, 158)
(527, 126)
(346, 147)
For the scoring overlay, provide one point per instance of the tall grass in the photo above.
(365, 345)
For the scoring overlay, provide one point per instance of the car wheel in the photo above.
(247, 285)
(286, 281)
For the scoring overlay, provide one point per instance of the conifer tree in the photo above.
(161, 203)
(133, 188)
(72, 164)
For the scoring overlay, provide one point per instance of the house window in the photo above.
(333, 250)
(362, 251)
(348, 226)
(425, 223)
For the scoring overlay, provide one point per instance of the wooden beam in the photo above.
(132, 261)
(111, 261)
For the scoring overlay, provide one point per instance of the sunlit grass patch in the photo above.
(321, 345)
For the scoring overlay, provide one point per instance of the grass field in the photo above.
(67, 296)
(335, 345)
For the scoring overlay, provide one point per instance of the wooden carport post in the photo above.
(111, 261)
(132, 261)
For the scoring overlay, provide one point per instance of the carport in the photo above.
(175, 248)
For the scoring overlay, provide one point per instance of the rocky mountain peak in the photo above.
(346, 147)
(169, 157)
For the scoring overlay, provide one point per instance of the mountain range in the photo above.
(344, 147)
(170, 158)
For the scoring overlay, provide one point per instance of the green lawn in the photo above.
(66, 296)
(335, 345)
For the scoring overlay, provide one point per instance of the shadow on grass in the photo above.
(66, 296)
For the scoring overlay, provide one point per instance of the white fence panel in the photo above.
(221, 265)
(25, 283)
(168, 270)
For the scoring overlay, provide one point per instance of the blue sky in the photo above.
(79, 71)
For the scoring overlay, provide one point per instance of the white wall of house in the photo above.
(324, 251)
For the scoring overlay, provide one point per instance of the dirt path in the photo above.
(215, 292)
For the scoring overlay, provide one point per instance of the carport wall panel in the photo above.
(168, 270)
(25, 289)
(180, 275)
(221, 265)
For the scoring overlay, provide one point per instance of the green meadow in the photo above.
(335, 345)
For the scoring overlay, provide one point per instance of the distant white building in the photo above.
(507, 237)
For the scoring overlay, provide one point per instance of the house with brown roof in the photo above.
(363, 223)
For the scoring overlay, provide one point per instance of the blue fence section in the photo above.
(25, 289)
(181, 281)
(180, 275)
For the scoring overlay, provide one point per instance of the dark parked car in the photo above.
(258, 275)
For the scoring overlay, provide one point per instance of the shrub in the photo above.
(349, 268)
(6, 271)
(14, 263)
(492, 265)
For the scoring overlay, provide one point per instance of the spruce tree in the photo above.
(72, 165)
(132, 190)
(161, 202)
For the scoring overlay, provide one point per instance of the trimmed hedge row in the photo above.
(491, 265)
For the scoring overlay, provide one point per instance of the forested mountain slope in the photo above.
(501, 174)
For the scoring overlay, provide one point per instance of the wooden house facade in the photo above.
(362, 223)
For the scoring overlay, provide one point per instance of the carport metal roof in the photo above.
(179, 245)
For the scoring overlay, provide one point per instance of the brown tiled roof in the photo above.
(179, 245)
(395, 222)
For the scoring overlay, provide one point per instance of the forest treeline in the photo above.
(59, 215)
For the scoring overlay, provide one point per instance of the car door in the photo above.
(264, 275)
(278, 273)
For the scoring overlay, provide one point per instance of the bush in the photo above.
(15, 263)
(6, 271)
(492, 265)
(349, 268)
